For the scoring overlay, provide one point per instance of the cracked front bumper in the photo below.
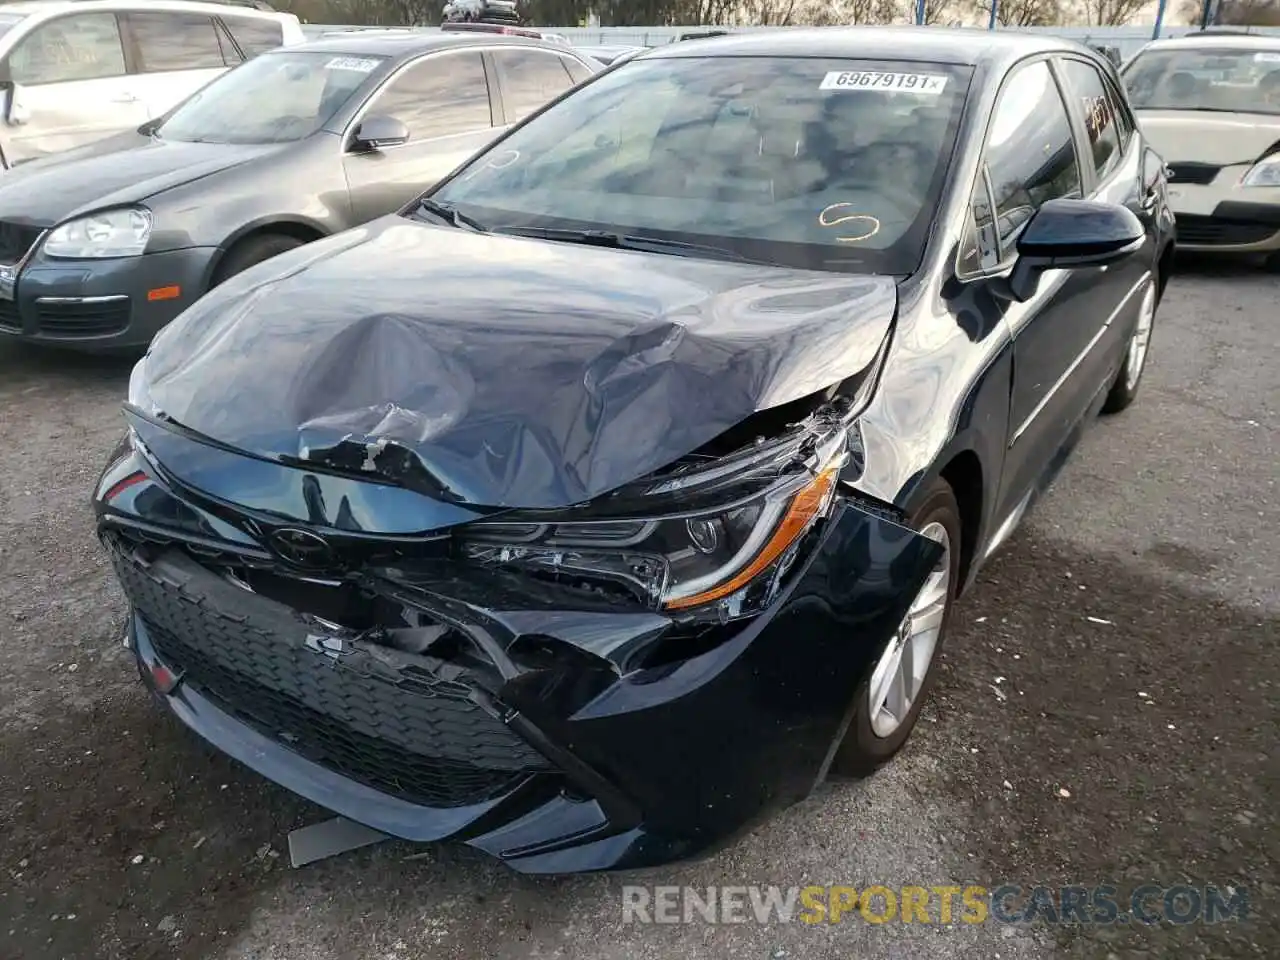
(590, 740)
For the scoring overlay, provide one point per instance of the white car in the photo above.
(1209, 103)
(76, 71)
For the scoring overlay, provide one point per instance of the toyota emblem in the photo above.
(301, 547)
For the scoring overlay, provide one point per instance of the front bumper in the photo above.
(1223, 216)
(558, 737)
(102, 305)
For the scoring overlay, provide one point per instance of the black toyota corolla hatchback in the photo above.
(618, 491)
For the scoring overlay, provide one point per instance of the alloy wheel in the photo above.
(899, 676)
(1137, 355)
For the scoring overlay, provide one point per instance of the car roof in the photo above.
(410, 44)
(30, 7)
(956, 45)
(1217, 40)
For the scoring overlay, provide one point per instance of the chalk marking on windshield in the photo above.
(358, 64)
(929, 84)
(825, 221)
(1267, 57)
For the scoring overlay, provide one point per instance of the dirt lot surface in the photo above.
(1107, 714)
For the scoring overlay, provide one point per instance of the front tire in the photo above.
(252, 251)
(888, 701)
(1125, 388)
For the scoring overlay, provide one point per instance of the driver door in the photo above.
(1030, 157)
(444, 100)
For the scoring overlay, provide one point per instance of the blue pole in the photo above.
(1205, 12)
(1155, 34)
(920, 12)
(995, 5)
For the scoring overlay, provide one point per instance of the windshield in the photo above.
(1233, 80)
(822, 164)
(274, 98)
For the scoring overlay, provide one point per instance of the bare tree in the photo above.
(767, 13)
(1025, 13)
(1111, 13)
(872, 11)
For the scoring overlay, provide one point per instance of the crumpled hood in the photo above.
(123, 169)
(1198, 136)
(520, 372)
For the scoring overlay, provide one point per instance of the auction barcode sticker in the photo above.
(358, 64)
(929, 83)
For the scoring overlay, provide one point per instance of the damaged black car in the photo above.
(619, 491)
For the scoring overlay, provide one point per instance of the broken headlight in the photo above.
(731, 555)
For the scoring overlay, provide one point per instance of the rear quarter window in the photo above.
(254, 35)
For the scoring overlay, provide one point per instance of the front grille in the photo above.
(10, 319)
(398, 729)
(83, 318)
(1213, 231)
(1201, 173)
(16, 239)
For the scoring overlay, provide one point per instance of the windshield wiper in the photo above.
(626, 241)
(451, 215)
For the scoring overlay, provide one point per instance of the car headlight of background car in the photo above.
(109, 233)
(725, 559)
(1264, 173)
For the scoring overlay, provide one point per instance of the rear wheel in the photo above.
(251, 251)
(1125, 389)
(888, 700)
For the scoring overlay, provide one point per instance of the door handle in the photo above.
(1150, 198)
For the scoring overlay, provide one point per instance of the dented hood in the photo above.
(517, 372)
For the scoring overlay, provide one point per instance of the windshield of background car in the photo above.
(815, 163)
(1230, 80)
(274, 98)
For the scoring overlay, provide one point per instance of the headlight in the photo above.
(728, 558)
(1264, 173)
(111, 233)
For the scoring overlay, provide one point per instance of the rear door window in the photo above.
(577, 72)
(254, 35)
(167, 41)
(438, 97)
(1098, 111)
(529, 79)
(85, 46)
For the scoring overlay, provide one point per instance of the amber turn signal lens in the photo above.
(165, 293)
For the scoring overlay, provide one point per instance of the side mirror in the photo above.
(377, 130)
(1072, 233)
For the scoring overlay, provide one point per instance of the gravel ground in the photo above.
(120, 836)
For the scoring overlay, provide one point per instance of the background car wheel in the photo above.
(1125, 389)
(251, 251)
(889, 699)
